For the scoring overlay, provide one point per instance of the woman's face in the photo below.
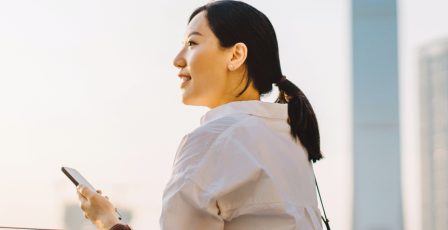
(203, 66)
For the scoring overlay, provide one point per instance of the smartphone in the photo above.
(77, 179)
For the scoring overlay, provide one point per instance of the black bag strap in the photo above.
(325, 220)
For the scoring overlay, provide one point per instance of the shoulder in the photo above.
(211, 138)
(225, 130)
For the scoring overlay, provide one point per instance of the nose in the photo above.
(179, 61)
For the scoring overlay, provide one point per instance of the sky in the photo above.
(91, 85)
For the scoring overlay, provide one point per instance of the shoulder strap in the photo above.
(325, 220)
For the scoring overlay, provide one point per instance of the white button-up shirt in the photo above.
(241, 169)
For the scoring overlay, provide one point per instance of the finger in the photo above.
(85, 191)
(81, 197)
(83, 206)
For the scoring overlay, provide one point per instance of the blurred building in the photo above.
(434, 134)
(376, 130)
(74, 218)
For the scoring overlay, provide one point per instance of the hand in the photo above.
(97, 208)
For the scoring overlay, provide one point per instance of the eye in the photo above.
(191, 43)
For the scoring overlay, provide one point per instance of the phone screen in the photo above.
(76, 177)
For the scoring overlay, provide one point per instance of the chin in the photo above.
(193, 101)
(188, 100)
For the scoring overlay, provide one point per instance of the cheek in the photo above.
(206, 67)
(201, 60)
(198, 63)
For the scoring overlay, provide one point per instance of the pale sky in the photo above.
(91, 85)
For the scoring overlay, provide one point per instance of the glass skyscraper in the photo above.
(433, 94)
(376, 131)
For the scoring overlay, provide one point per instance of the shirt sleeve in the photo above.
(231, 172)
(185, 204)
(216, 179)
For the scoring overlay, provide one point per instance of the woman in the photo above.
(248, 165)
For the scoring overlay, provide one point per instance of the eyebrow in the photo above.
(195, 33)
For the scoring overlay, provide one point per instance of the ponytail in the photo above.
(301, 118)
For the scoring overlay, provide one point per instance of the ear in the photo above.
(239, 55)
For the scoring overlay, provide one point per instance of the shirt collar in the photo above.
(251, 107)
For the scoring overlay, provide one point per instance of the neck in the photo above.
(249, 94)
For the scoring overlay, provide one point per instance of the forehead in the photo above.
(199, 24)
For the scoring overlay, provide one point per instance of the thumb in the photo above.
(85, 191)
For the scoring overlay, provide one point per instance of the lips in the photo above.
(185, 79)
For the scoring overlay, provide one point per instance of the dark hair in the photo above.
(235, 21)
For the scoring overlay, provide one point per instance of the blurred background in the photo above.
(91, 85)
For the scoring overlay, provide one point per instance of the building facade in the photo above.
(376, 131)
(433, 83)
